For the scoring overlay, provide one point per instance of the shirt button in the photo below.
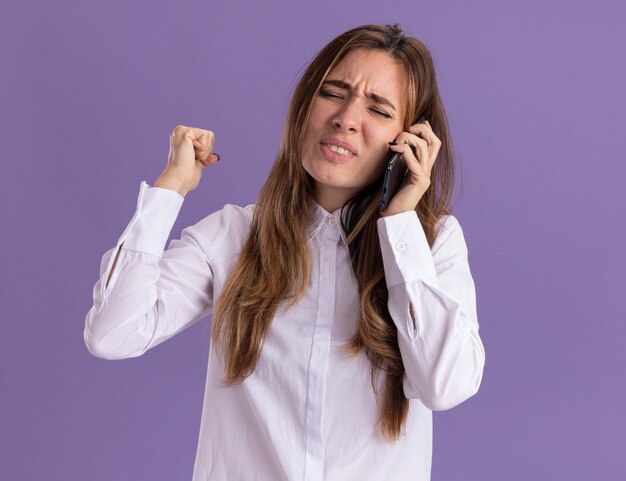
(332, 222)
(400, 246)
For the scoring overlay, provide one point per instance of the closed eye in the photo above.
(326, 93)
(384, 114)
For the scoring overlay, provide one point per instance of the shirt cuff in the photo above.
(405, 250)
(150, 227)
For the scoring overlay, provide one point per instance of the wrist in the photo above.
(168, 181)
(389, 212)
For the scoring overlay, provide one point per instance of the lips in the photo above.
(334, 157)
(339, 143)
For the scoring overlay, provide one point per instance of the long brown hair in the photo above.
(274, 265)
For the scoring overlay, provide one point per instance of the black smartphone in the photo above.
(395, 174)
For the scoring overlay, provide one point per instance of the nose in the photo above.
(347, 118)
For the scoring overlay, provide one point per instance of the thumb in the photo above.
(211, 159)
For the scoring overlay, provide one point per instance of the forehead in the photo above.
(372, 71)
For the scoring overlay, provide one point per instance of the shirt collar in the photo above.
(322, 220)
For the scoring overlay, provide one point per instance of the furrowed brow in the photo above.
(379, 99)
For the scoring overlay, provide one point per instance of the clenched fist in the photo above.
(191, 150)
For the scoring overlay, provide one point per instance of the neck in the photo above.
(330, 199)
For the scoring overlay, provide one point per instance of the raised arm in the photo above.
(145, 295)
(151, 294)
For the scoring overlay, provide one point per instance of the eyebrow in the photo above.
(375, 97)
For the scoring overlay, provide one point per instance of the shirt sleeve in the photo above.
(153, 294)
(432, 300)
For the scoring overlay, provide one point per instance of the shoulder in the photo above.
(447, 223)
(449, 234)
(228, 217)
(223, 230)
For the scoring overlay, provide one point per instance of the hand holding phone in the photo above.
(395, 175)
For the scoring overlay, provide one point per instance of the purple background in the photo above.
(89, 94)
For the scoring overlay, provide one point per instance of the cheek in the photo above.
(312, 130)
(316, 121)
(380, 145)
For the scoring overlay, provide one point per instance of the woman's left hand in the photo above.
(427, 147)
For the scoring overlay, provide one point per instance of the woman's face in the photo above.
(357, 111)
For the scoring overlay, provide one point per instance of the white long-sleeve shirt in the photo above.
(308, 411)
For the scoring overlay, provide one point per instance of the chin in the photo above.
(331, 178)
(335, 177)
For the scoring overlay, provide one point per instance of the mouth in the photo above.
(335, 153)
(337, 145)
(338, 149)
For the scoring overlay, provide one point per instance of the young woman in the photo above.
(336, 329)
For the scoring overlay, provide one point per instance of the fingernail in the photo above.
(393, 143)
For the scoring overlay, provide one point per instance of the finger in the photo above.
(420, 145)
(412, 163)
(203, 163)
(201, 134)
(213, 158)
(204, 142)
(198, 147)
(205, 137)
(434, 143)
(425, 132)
